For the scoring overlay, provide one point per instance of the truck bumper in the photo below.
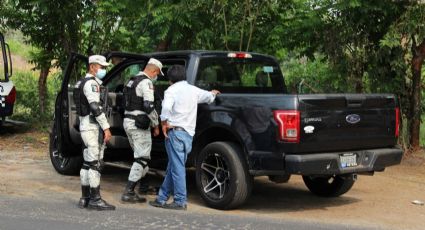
(368, 160)
(6, 110)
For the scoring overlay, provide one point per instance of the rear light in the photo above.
(239, 55)
(397, 121)
(10, 99)
(289, 125)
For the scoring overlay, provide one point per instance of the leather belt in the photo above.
(176, 128)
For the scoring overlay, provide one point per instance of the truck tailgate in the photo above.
(346, 121)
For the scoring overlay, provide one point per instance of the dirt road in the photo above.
(382, 201)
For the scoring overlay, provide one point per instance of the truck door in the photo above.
(65, 111)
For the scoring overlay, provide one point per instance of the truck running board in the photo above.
(127, 165)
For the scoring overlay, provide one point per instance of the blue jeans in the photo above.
(178, 146)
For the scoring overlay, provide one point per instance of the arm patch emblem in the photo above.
(94, 88)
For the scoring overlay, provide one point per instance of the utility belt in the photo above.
(141, 121)
(92, 119)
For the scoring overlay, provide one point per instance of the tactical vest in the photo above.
(132, 101)
(80, 100)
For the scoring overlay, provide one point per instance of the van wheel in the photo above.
(222, 176)
(65, 165)
(329, 186)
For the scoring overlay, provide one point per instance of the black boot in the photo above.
(85, 196)
(96, 201)
(130, 196)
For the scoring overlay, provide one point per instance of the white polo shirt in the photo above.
(180, 105)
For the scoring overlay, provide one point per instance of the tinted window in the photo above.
(78, 71)
(236, 75)
(2, 64)
(116, 84)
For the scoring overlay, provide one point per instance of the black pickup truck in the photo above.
(254, 128)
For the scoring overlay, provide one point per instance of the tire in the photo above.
(63, 164)
(222, 176)
(329, 186)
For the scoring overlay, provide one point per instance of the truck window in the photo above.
(166, 64)
(235, 75)
(4, 62)
(2, 73)
(117, 83)
(78, 71)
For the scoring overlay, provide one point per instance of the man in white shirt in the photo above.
(89, 108)
(178, 120)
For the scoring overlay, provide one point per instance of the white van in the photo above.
(7, 88)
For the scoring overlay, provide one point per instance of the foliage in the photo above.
(347, 32)
(314, 75)
(329, 45)
(408, 35)
(26, 108)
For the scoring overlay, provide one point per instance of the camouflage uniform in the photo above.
(140, 139)
(91, 129)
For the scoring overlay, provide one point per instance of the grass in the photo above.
(17, 45)
(26, 83)
(18, 48)
(27, 103)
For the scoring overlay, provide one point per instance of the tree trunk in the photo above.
(42, 89)
(415, 99)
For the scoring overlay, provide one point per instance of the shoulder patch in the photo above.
(130, 83)
(77, 85)
(94, 88)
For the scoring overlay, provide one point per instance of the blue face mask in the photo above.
(101, 73)
(155, 78)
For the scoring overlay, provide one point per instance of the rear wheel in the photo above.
(329, 186)
(222, 176)
(66, 165)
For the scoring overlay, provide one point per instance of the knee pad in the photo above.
(86, 165)
(144, 163)
(94, 165)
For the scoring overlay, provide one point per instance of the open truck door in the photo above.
(65, 138)
(7, 88)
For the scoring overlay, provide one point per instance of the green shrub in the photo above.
(27, 100)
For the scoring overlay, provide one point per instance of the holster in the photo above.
(141, 121)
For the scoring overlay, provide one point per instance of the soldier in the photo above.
(139, 116)
(87, 97)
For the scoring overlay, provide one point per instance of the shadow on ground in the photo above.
(266, 196)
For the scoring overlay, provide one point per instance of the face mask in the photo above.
(155, 78)
(101, 73)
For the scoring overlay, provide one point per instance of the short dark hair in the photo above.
(176, 73)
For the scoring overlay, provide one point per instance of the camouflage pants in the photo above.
(89, 173)
(141, 143)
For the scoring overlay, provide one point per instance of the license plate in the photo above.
(348, 160)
